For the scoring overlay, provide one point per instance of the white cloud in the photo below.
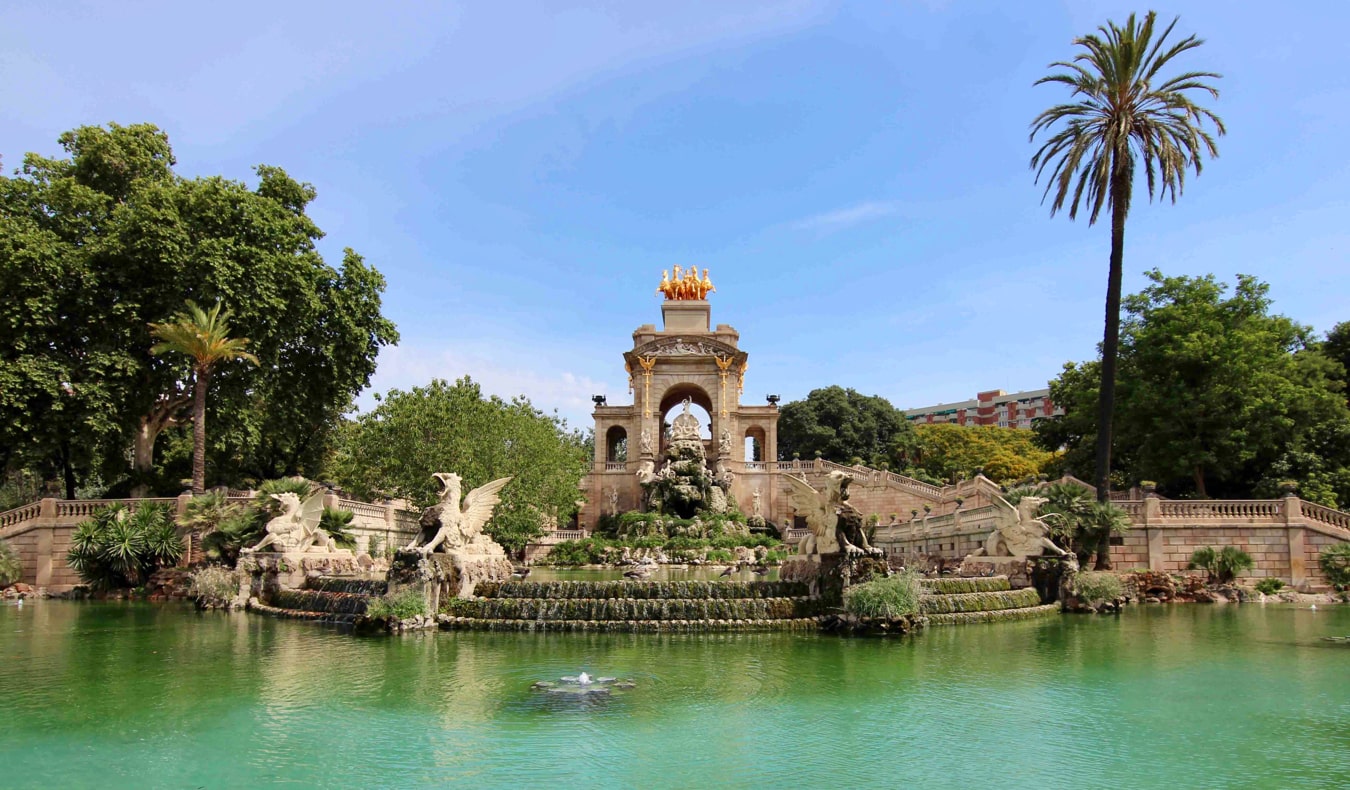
(506, 371)
(847, 217)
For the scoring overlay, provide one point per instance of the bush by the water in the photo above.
(1335, 563)
(889, 598)
(11, 570)
(1095, 587)
(1269, 586)
(399, 606)
(120, 548)
(587, 551)
(213, 585)
(1222, 566)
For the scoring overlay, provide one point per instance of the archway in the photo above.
(754, 443)
(616, 444)
(701, 406)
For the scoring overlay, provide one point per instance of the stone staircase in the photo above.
(626, 606)
(952, 601)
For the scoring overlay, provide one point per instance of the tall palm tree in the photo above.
(205, 337)
(1122, 116)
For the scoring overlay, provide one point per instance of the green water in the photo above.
(135, 695)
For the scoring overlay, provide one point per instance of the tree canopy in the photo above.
(841, 425)
(97, 246)
(1217, 396)
(394, 450)
(944, 453)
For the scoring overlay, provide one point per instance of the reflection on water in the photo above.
(121, 695)
(660, 573)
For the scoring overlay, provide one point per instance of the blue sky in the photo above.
(855, 175)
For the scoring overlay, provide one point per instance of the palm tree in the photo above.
(1122, 116)
(205, 337)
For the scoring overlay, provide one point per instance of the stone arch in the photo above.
(755, 443)
(699, 398)
(616, 444)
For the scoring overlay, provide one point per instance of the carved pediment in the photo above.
(685, 347)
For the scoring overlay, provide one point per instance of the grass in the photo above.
(399, 606)
(889, 598)
(1095, 587)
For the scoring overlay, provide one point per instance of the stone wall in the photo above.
(1284, 537)
(41, 532)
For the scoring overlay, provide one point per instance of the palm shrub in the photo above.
(1269, 585)
(11, 569)
(1335, 563)
(1224, 565)
(119, 548)
(885, 599)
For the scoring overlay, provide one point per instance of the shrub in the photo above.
(119, 548)
(213, 585)
(1335, 563)
(719, 555)
(682, 543)
(586, 551)
(334, 521)
(11, 569)
(1269, 586)
(1222, 566)
(1095, 587)
(889, 598)
(399, 606)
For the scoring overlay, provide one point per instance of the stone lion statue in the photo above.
(1018, 532)
(297, 528)
(451, 526)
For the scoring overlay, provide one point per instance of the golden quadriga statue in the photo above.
(688, 286)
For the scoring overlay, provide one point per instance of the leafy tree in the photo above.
(948, 451)
(841, 425)
(1216, 396)
(97, 246)
(1124, 117)
(395, 449)
(205, 338)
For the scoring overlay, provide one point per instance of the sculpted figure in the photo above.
(614, 501)
(450, 526)
(1018, 533)
(685, 426)
(706, 285)
(646, 442)
(691, 283)
(724, 443)
(756, 508)
(664, 287)
(646, 471)
(821, 511)
(676, 284)
(297, 528)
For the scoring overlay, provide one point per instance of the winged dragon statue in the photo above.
(1017, 530)
(824, 511)
(454, 526)
(297, 528)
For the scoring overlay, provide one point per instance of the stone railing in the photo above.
(20, 514)
(86, 508)
(1244, 509)
(1325, 515)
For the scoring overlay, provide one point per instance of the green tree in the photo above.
(1124, 117)
(394, 450)
(97, 246)
(946, 451)
(1217, 396)
(204, 337)
(841, 425)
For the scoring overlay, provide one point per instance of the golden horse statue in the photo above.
(682, 284)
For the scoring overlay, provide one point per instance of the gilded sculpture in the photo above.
(685, 286)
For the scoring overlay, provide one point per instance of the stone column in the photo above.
(1291, 508)
(1156, 547)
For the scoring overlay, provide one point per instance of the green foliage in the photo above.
(397, 606)
(888, 598)
(18, 488)
(719, 555)
(213, 585)
(101, 244)
(587, 551)
(840, 424)
(334, 521)
(1096, 587)
(1251, 400)
(1269, 585)
(1334, 561)
(11, 568)
(120, 548)
(395, 449)
(945, 452)
(1077, 521)
(1222, 566)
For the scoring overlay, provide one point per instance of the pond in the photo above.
(139, 695)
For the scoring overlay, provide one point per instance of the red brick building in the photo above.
(995, 407)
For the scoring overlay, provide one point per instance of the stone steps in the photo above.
(667, 590)
(952, 585)
(629, 626)
(638, 609)
(997, 615)
(979, 601)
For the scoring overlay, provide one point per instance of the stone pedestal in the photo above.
(442, 576)
(265, 572)
(1017, 569)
